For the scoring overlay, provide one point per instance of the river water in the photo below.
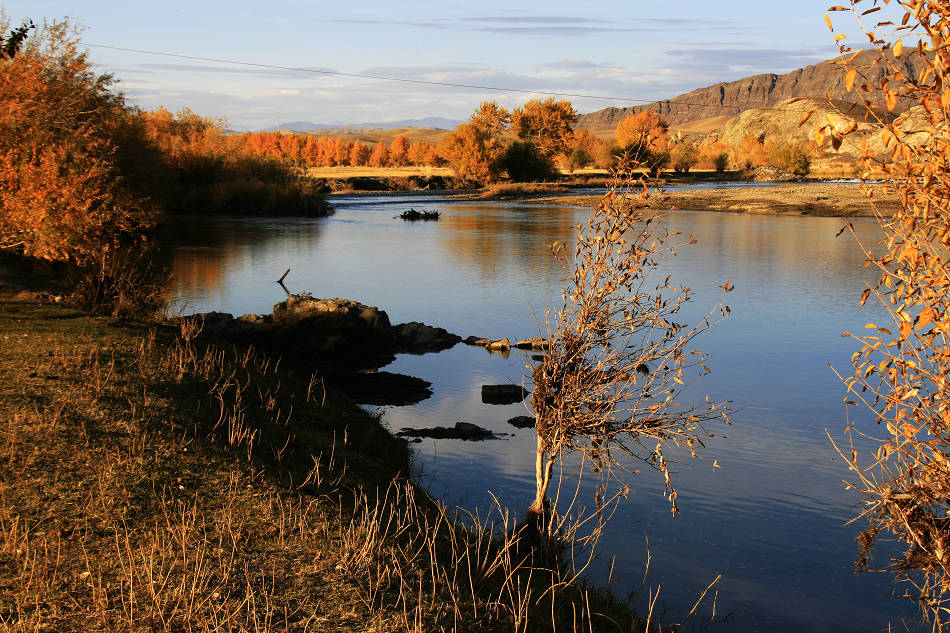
(771, 520)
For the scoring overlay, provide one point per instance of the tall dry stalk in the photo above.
(619, 356)
(900, 373)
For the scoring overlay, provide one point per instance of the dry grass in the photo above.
(150, 482)
(519, 189)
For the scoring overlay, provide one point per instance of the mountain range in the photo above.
(357, 128)
(728, 99)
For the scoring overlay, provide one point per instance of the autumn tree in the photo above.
(399, 151)
(645, 135)
(582, 150)
(899, 383)
(380, 155)
(62, 191)
(475, 149)
(548, 124)
(359, 154)
(417, 153)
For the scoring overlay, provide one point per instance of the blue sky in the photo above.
(634, 49)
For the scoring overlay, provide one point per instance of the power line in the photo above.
(417, 81)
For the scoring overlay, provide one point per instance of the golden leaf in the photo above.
(804, 118)
(891, 99)
(926, 317)
(836, 140)
(898, 48)
(828, 22)
(905, 329)
(849, 79)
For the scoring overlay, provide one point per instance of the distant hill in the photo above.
(731, 98)
(357, 128)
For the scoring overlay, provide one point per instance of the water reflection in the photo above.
(771, 519)
(505, 239)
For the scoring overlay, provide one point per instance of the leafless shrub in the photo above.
(619, 358)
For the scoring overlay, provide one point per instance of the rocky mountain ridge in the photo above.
(760, 91)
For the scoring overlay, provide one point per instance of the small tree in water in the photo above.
(618, 357)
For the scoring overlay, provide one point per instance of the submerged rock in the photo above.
(534, 343)
(500, 344)
(419, 338)
(503, 394)
(522, 422)
(461, 431)
(381, 388)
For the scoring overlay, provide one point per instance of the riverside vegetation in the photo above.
(152, 479)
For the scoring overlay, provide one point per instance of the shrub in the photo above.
(684, 155)
(524, 162)
(792, 157)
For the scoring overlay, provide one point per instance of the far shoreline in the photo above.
(800, 198)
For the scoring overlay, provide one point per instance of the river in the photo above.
(771, 520)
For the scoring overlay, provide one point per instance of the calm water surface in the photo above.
(771, 520)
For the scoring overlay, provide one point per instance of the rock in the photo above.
(419, 338)
(533, 343)
(503, 394)
(522, 422)
(382, 388)
(302, 306)
(461, 431)
(767, 173)
(502, 344)
(475, 340)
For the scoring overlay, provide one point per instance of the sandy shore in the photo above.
(819, 199)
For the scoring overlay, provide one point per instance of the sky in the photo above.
(623, 53)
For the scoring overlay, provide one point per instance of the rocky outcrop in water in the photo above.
(461, 431)
(503, 394)
(341, 340)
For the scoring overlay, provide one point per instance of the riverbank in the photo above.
(818, 199)
(152, 479)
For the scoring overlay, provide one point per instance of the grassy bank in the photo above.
(152, 481)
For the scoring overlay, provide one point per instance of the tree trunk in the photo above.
(543, 467)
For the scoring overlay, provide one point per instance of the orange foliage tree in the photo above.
(380, 155)
(645, 136)
(475, 149)
(399, 151)
(62, 191)
(359, 154)
(548, 124)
